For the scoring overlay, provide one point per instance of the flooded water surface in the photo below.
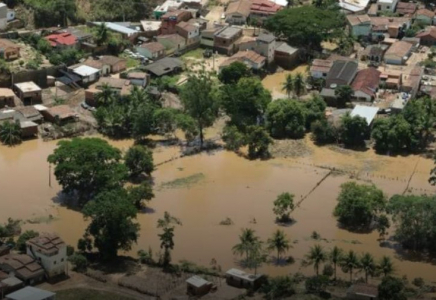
(205, 189)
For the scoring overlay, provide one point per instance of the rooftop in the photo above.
(65, 38)
(406, 8)
(367, 81)
(250, 55)
(265, 6)
(284, 47)
(62, 112)
(23, 265)
(30, 293)
(399, 49)
(227, 32)
(353, 5)
(4, 92)
(164, 66)
(153, 46)
(266, 37)
(46, 243)
(85, 71)
(186, 26)
(240, 7)
(358, 19)
(4, 43)
(119, 28)
(243, 275)
(167, 4)
(197, 281)
(343, 70)
(29, 86)
(150, 25)
(366, 112)
(321, 65)
(12, 281)
(429, 32)
(382, 23)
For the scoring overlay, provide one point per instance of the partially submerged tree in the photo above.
(336, 256)
(358, 205)
(316, 257)
(367, 265)
(258, 141)
(167, 224)
(288, 85)
(246, 241)
(350, 263)
(353, 131)
(112, 225)
(87, 166)
(138, 160)
(200, 102)
(279, 242)
(283, 206)
(286, 119)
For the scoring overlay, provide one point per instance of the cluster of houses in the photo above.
(45, 259)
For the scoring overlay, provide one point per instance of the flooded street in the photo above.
(205, 189)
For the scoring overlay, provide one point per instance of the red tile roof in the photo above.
(265, 7)
(366, 81)
(430, 32)
(66, 39)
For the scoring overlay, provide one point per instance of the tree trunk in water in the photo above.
(201, 135)
(335, 270)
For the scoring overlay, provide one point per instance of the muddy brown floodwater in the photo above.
(205, 189)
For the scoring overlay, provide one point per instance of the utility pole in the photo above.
(49, 175)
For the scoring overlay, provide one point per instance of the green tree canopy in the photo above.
(279, 242)
(286, 119)
(258, 141)
(233, 72)
(316, 257)
(138, 160)
(245, 103)
(233, 138)
(10, 133)
(391, 134)
(353, 130)
(23, 238)
(358, 205)
(414, 218)
(283, 206)
(112, 225)
(87, 166)
(315, 110)
(350, 262)
(200, 101)
(391, 288)
(323, 132)
(306, 26)
(421, 115)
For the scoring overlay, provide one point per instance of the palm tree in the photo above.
(106, 96)
(279, 242)
(288, 85)
(256, 255)
(350, 262)
(138, 96)
(315, 257)
(367, 264)
(336, 256)
(299, 84)
(246, 240)
(386, 266)
(10, 133)
(101, 34)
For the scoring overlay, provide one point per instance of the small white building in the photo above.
(366, 112)
(87, 74)
(51, 251)
(387, 5)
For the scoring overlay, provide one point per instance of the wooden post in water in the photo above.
(49, 175)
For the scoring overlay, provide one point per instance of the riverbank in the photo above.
(204, 189)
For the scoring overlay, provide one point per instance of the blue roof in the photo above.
(118, 28)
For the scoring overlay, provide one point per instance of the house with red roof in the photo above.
(264, 8)
(366, 83)
(62, 40)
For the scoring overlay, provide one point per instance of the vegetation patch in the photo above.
(184, 181)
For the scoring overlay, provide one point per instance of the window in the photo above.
(388, 7)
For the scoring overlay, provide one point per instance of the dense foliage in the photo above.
(23, 238)
(258, 141)
(354, 131)
(283, 206)
(306, 26)
(112, 225)
(233, 72)
(10, 133)
(87, 166)
(391, 134)
(358, 205)
(286, 119)
(415, 221)
(138, 160)
(391, 288)
(200, 102)
(323, 132)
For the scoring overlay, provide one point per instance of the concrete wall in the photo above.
(54, 265)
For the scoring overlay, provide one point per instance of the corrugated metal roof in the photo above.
(85, 70)
(118, 28)
(30, 293)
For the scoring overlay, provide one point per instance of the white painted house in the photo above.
(51, 251)
(387, 5)
(3, 16)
